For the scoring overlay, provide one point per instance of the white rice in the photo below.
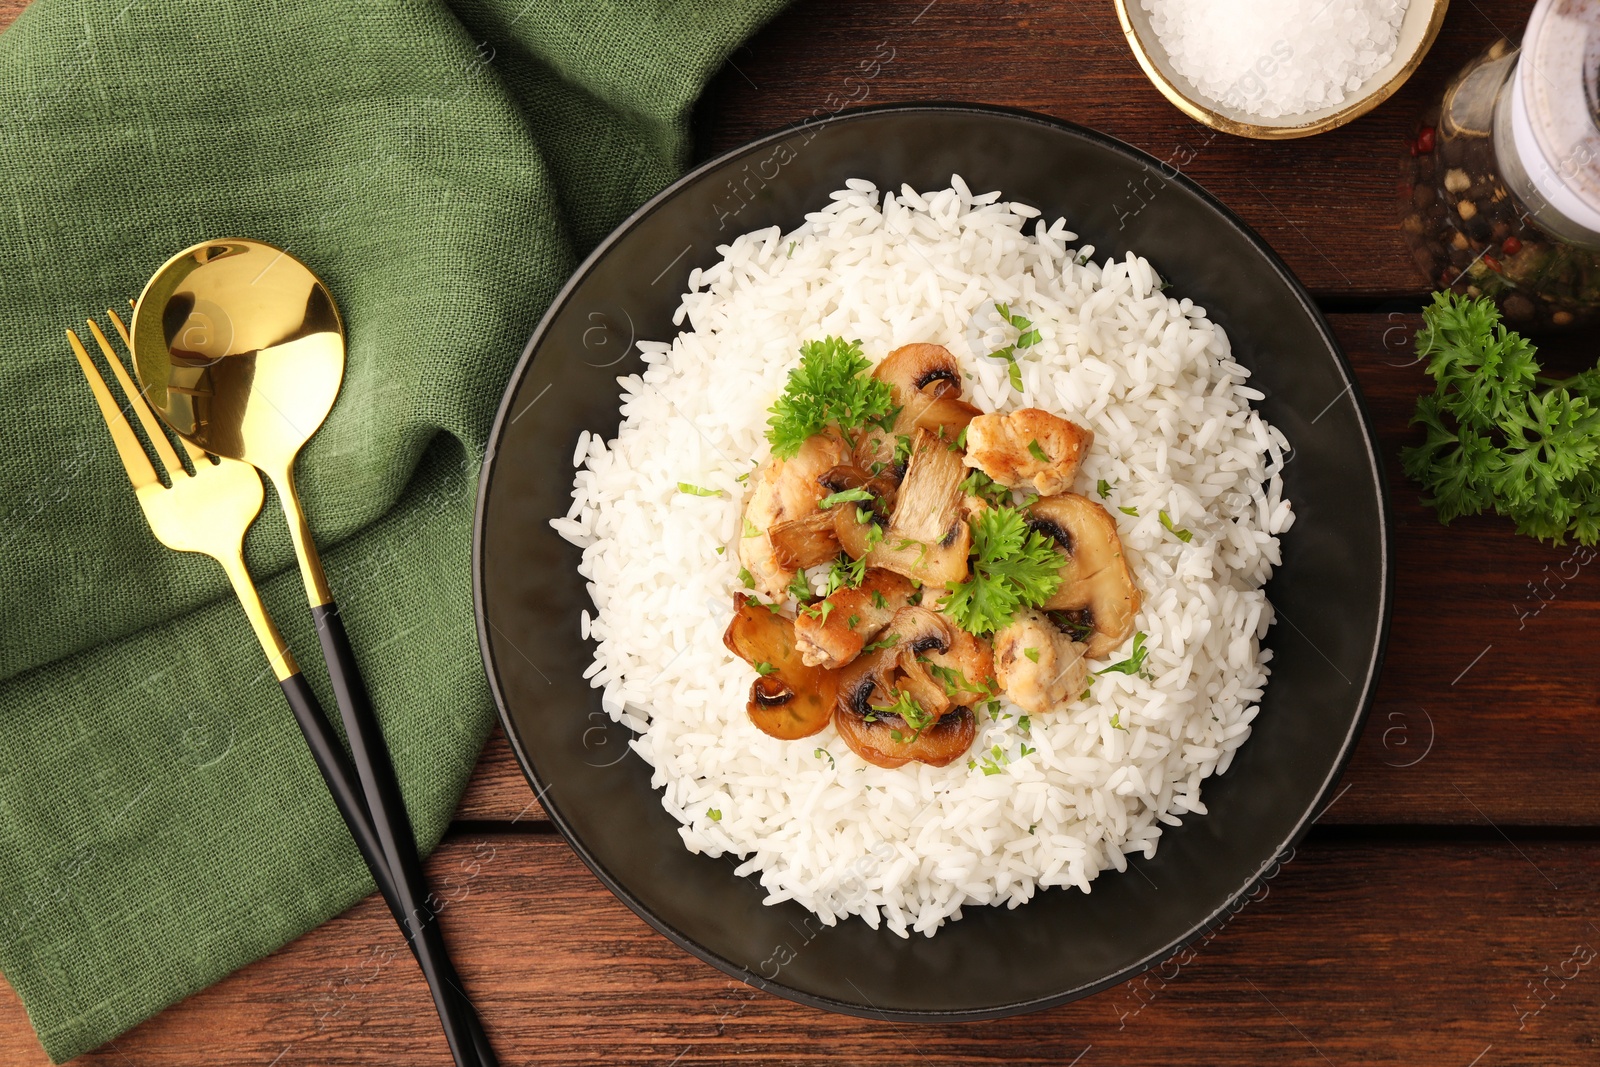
(1150, 374)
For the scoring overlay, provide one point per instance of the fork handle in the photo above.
(344, 785)
(393, 827)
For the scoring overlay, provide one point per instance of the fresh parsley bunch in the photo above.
(829, 386)
(1013, 567)
(1497, 435)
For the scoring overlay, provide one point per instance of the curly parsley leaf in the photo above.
(1134, 664)
(1014, 567)
(1499, 437)
(830, 386)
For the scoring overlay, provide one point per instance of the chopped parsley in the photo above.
(747, 578)
(764, 669)
(714, 814)
(1025, 724)
(1014, 567)
(800, 588)
(879, 601)
(911, 713)
(820, 752)
(1130, 511)
(750, 529)
(992, 762)
(846, 572)
(1181, 534)
(696, 490)
(1032, 654)
(1103, 487)
(830, 386)
(1134, 664)
(902, 449)
(1037, 451)
(852, 621)
(887, 642)
(844, 496)
(1116, 722)
(985, 488)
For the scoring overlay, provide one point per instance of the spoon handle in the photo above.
(393, 827)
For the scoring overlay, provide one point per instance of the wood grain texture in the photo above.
(1325, 203)
(1490, 658)
(1381, 955)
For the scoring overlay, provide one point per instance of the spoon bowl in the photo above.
(241, 349)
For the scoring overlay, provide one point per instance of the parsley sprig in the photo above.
(830, 386)
(1497, 435)
(1013, 567)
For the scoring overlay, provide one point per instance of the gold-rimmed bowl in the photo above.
(1418, 28)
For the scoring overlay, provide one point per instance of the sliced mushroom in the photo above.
(804, 542)
(927, 539)
(874, 739)
(834, 636)
(1039, 667)
(1095, 578)
(789, 698)
(784, 491)
(1027, 447)
(925, 382)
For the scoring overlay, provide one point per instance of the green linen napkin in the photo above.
(442, 166)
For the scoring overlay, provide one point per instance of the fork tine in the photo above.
(137, 464)
(152, 426)
(197, 455)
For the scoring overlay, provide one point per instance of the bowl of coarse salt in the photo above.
(1277, 69)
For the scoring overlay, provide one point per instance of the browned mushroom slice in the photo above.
(873, 739)
(789, 699)
(925, 382)
(1027, 447)
(1096, 578)
(804, 542)
(835, 636)
(1039, 667)
(784, 491)
(927, 538)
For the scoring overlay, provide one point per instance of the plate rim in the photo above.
(1231, 904)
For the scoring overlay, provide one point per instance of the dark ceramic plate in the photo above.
(1332, 592)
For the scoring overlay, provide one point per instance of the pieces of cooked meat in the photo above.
(784, 490)
(1029, 446)
(1096, 577)
(835, 636)
(1039, 667)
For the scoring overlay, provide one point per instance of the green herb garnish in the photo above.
(1037, 451)
(750, 529)
(1032, 654)
(844, 496)
(695, 490)
(830, 386)
(800, 588)
(714, 814)
(764, 669)
(1103, 487)
(1497, 435)
(1134, 664)
(820, 752)
(1183, 535)
(1014, 567)
(747, 578)
(1130, 511)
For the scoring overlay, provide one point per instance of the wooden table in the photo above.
(1444, 910)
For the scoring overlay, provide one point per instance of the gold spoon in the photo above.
(240, 349)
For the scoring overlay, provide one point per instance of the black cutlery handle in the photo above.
(344, 785)
(393, 827)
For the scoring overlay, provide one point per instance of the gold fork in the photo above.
(207, 511)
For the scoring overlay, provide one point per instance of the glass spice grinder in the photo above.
(1502, 182)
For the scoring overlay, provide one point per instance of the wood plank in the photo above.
(1386, 955)
(1490, 653)
(1325, 203)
